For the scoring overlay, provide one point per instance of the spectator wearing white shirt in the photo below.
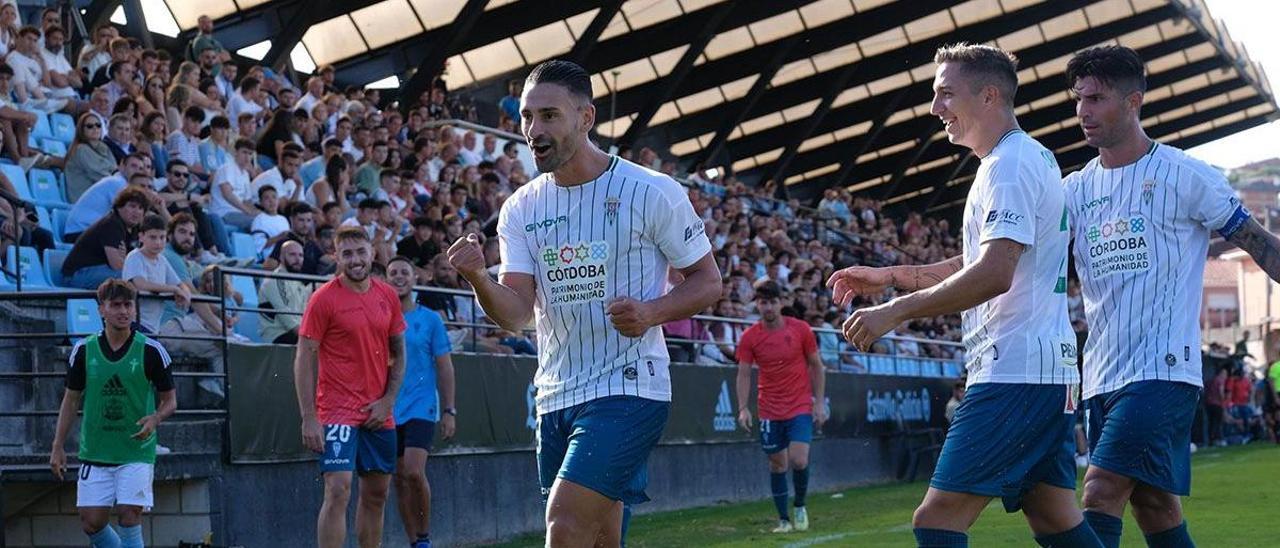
(314, 96)
(15, 124)
(247, 100)
(29, 73)
(269, 227)
(283, 177)
(467, 153)
(99, 54)
(184, 143)
(226, 79)
(63, 79)
(230, 189)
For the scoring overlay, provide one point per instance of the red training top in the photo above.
(352, 329)
(1238, 390)
(784, 389)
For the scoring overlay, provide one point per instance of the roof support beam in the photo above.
(431, 64)
(855, 148)
(291, 33)
(811, 123)
(591, 36)
(923, 143)
(671, 82)
(136, 23)
(739, 112)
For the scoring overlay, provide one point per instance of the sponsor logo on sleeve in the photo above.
(693, 230)
(1005, 216)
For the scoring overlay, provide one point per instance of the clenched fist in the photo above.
(466, 256)
(629, 316)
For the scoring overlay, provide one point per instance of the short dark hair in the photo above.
(58, 29)
(249, 83)
(421, 220)
(329, 206)
(29, 29)
(400, 258)
(244, 143)
(265, 189)
(1116, 67)
(178, 219)
(300, 208)
(332, 143)
(115, 289)
(151, 222)
(220, 122)
(6, 69)
(565, 73)
(991, 66)
(768, 290)
(388, 172)
(175, 163)
(194, 113)
(369, 203)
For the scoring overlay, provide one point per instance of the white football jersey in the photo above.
(1141, 237)
(1023, 336)
(585, 245)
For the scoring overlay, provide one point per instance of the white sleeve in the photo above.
(1009, 206)
(513, 248)
(170, 276)
(677, 229)
(1212, 201)
(1070, 185)
(134, 266)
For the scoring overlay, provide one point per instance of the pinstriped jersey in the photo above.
(585, 245)
(1024, 335)
(1141, 237)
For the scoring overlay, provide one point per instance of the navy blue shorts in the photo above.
(778, 435)
(602, 445)
(1143, 431)
(1006, 438)
(414, 433)
(351, 448)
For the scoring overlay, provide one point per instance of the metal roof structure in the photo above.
(817, 94)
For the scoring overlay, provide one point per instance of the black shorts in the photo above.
(414, 433)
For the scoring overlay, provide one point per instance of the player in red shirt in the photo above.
(353, 333)
(791, 381)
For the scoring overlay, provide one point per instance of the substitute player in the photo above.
(1011, 436)
(425, 400)
(585, 249)
(790, 396)
(117, 374)
(353, 332)
(1141, 216)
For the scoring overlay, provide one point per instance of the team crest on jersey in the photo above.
(611, 206)
(1148, 190)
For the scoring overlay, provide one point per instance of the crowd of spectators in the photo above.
(241, 167)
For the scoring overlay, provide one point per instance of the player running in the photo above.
(353, 332)
(117, 374)
(1011, 437)
(790, 396)
(585, 249)
(420, 406)
(1141, 216)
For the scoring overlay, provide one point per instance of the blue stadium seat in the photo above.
(53, 146)
(43, 129)
(63, 126)
(19, 179)
(32, 270)
(59, 221)
(243, 246)
(247, 289)
(54, 260)
(45, 189)
(248, 326)
(82, 316)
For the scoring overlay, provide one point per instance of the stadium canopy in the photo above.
(818, 94)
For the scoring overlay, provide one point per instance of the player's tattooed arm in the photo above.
(1263, 246)
(915, 278)
(395, 374)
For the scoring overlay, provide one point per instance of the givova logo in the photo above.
(724, 410)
